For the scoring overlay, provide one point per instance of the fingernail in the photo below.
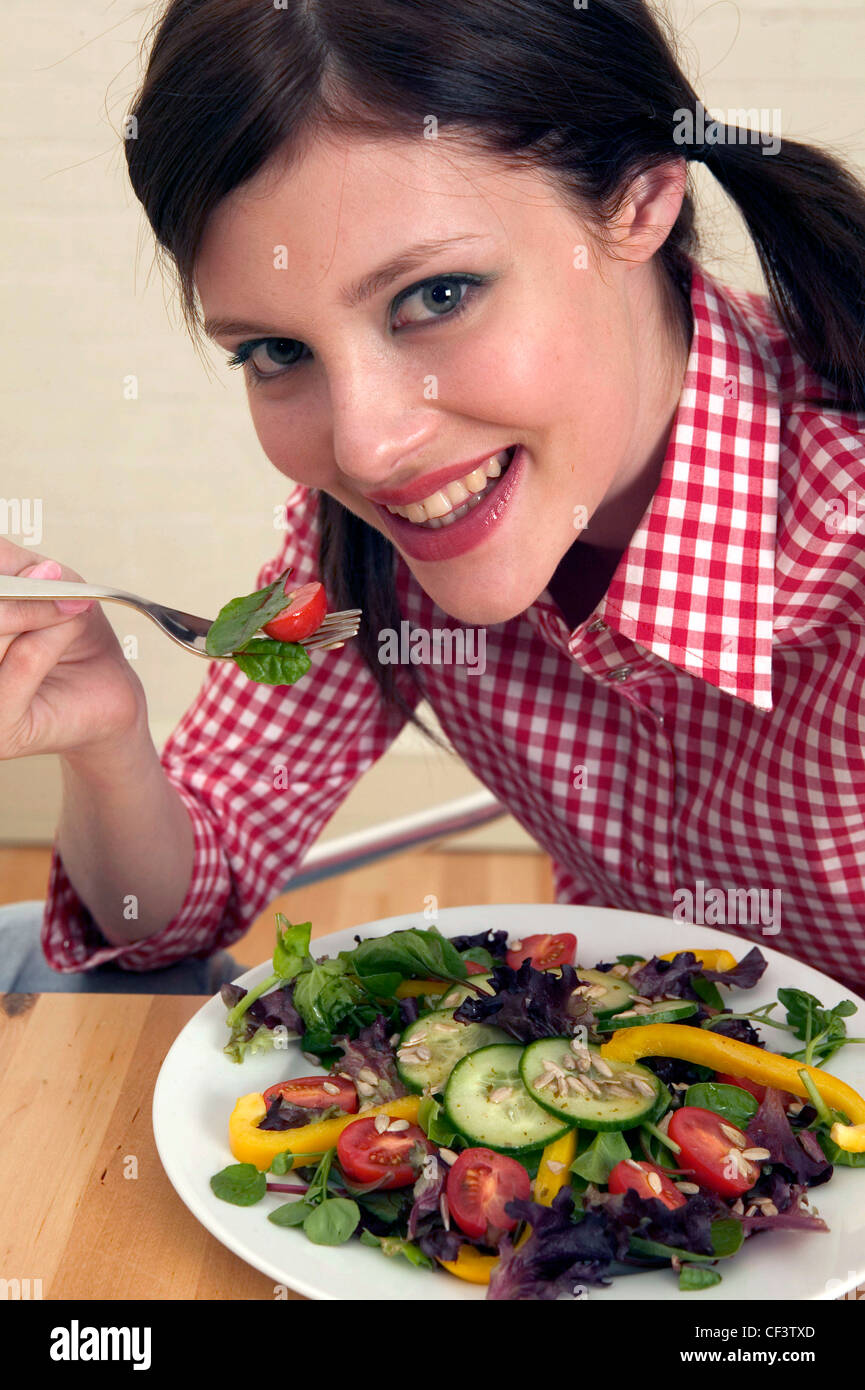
(74, 605)
(46, 569)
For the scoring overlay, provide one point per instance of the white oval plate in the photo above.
(198, 1085)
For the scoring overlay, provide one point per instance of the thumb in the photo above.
(50, 569)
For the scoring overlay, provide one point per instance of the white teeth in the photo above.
(456, 498)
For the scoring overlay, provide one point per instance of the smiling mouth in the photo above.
(458, 498)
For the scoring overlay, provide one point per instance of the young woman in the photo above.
(452, 248)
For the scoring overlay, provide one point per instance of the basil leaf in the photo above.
(239, 1183)
(601, 1157)
(694, 1277)
(411, 954)
(269, 662)
(732, 1103)
(290, 1214)
(241, 618)
(333, 1222)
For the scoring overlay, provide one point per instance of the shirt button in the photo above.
(598, 626)
(621, 673)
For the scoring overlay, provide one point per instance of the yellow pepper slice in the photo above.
(711, 960)
(475, 1267)
(713, 1050)
(471, 1264)
(414, 989)
(249, 1144)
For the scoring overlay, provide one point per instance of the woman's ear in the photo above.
(648, 211)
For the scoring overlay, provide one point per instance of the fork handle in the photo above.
(13, 586)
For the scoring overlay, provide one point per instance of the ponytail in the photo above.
(806, 215)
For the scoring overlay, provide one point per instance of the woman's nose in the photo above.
(383, 427)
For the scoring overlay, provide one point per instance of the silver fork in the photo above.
(186, 629)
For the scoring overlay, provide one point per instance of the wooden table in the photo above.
(77, 1073)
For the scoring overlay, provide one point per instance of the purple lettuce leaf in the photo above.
(673, 977)
(770, 1129)
(496, 942)
(559, 1253)
(688, 1227)
(269, 1010)
(427, 1192)
(371, 1051)
(281, 1114)
(789, 1198)
(409, 1010)
(529, 1003)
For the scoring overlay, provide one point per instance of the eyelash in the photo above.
(241, 357)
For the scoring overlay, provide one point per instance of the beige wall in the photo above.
(169, 494)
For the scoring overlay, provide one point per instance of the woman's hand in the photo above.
(65, 685)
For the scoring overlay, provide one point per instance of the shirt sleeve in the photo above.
(261, 770)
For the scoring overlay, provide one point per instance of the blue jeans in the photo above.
(24, 969)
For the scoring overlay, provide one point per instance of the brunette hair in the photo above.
(590, 95)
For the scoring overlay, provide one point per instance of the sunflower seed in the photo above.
(644, 1087)
(444, 1026)
(447, 1155)
(367, 1074)
(601, 1066)
(596, 991)
(555, 1166)
(330, 1088)
(655, 1183)
(397, 1126)
(627, 1013)
(546, 1080)
(381, 1123)
(445, 1211)
(501, 1093)
(735, 1135)
(769, 1209)
(753, 1210)
(577, 1085)
(394, 1039)
(592, 1085)
(738, 1206)
(640, 999)
(688, 1189)
(796, 1106)
(363, 1088)
(756, 1155)
(634, 1164)
(424, 1054)
(620, 970)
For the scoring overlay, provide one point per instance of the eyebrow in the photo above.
(358, 293)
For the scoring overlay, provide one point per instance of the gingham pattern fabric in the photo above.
(694, 748)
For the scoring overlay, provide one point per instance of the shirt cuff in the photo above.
(71, 940)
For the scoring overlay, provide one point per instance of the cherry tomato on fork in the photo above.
(306, 609)
(309, 1092)
(544, 952)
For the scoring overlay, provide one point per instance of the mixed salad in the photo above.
(279, 657)
(494, 1109)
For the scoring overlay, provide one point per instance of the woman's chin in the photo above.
(481, 610)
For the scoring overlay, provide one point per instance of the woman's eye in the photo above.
(269, 356)
(439, 298)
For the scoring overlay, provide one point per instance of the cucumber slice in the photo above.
(455, 996)
(616, 996)
(606, 1110)
(662, 1011)
(446, 1041)
(513, 1124)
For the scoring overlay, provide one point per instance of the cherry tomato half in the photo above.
(631, 1174)
(306, 609)
(544, 952)
(705, 1148)
(365, 1156)
(309, 1092)
(479, 1186)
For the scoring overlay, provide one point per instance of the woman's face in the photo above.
(498, 388)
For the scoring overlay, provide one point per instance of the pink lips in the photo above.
(446, 542)
(429, 483)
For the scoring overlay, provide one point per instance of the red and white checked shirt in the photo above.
(703, 729)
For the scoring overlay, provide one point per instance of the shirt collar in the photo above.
(696, 583)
